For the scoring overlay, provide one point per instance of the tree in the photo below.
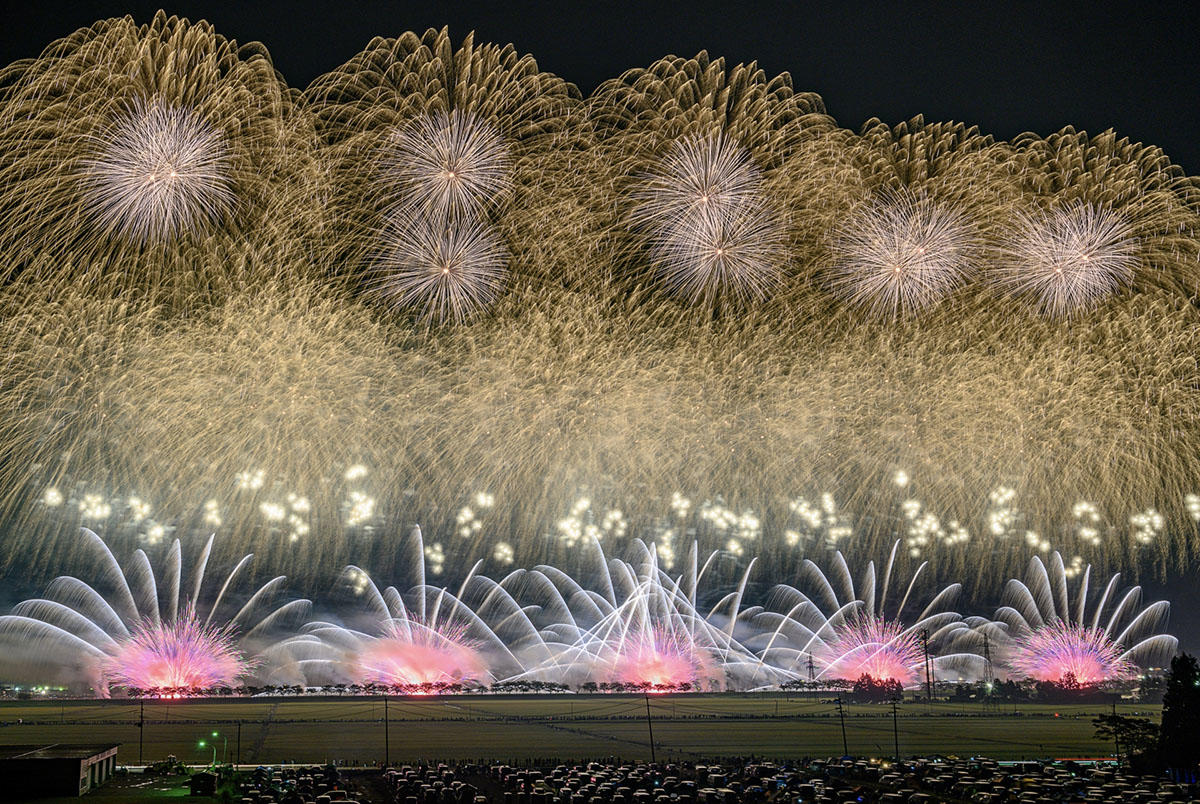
(1179, 737)
(1133, 735)
(871, 690)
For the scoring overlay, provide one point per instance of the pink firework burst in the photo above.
(1057, 649)
(409, 654)
(660, 660)
(877, 647)
(185, 654)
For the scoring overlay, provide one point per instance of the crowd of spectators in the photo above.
(913, 781)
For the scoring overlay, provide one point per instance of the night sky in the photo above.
(1007, 67)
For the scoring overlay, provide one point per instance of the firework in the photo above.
(1059, 651)
(1048, 635)
(434, 639)
(125, 637)
(640, 627)
(184, 655)
(415, 657)
(902, 254)
(1131, 186)
(144, 157)
(447, 269)
(452, 166)
(1069, 260)
(699, 174)
(617, 624)
(659, 660)
(156, 172)
(709, 232)
(467, 132)
(882, 649)
(845, 635)
(219, 361)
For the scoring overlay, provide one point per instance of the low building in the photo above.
(56, 769)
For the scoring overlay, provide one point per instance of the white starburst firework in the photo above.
(443, 270)
(900, 254)
(1067, 260)
(452, 164)
(158, 170)
(1048, 630)
(709, 232)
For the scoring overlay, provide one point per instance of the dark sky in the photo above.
(1006, 66)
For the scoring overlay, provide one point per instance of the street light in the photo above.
(224, 747)
(203, 744)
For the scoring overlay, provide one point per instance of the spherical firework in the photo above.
(1154, 201)
(670, 136)
(452, 166)
(156, 171)
(1068, 260)
(698, 174)
(901, 254)
(445, 270)
(401, 122)
(142, 157)
(1047, 636)
(709, 233)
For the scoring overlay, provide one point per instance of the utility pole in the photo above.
(842, 717)
(812, 678)
(928, 669)
(650, 727)
(387, 745)
(141, 729)
(895, 731)
(1116, 739)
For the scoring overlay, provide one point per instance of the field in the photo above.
(566, 727)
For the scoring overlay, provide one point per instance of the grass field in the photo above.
(567, 727)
